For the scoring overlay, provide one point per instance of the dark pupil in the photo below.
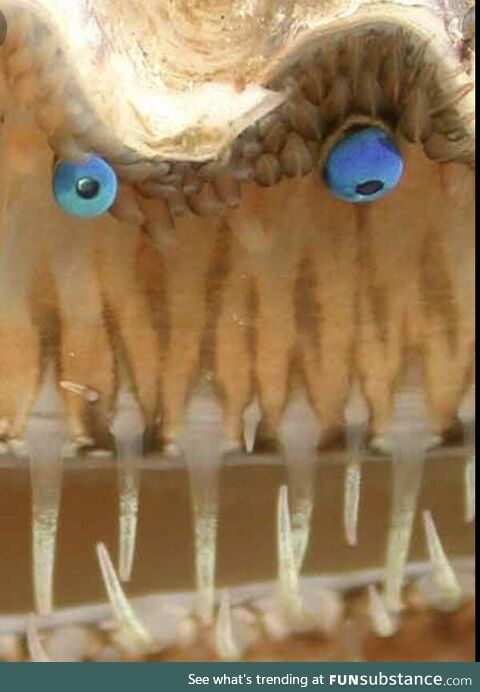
(370, 187)
(87, 188)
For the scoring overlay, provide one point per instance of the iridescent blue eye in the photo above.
(363, 166)
(85, 189)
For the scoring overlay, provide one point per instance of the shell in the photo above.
(190, 76)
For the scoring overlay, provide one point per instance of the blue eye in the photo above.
(363, 166)
(85, 189)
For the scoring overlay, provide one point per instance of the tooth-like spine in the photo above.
(448, 594)
(206, 526)
(407, 476)
(290, 597)
(225, 645)
(125, 616)
(46, 472)
(469, 472)
(202, 444)
(128, 428)
(353, 482)
(469, 480)
(35, 649)
(383, 622)
(44, 441)
(299, 434)
(301, 520)
(252, 418)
